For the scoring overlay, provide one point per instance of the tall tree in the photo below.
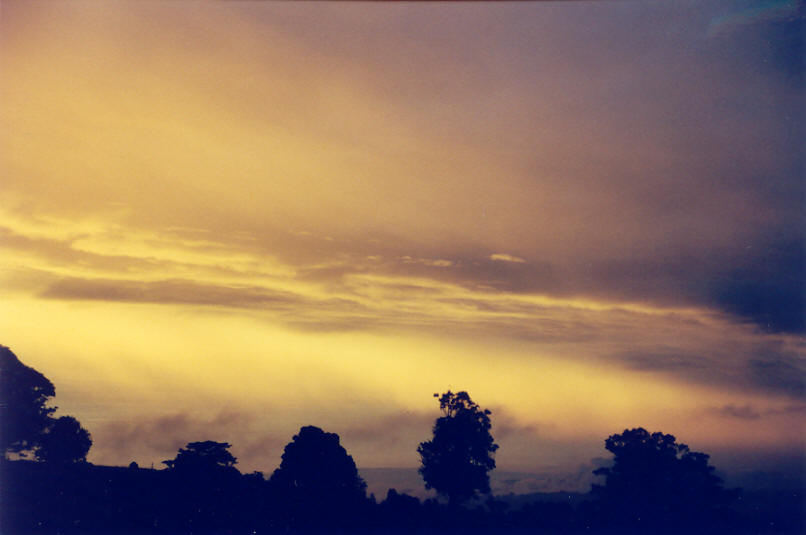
(456, 461)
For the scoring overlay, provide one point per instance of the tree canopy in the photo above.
(24, 415)
(656, 483)
(315, 464)
(456, 461)
(64, 441)
(203, 457)
(26, 422)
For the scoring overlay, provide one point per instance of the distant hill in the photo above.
(503, 483)
(772, 490)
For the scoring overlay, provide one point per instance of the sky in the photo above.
(225, 221)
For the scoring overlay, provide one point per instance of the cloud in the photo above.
(390, 428)
(768, 286)
(170, 292)
(391, 304)
(502, 257)
(744, 412)
(781, 372)
(256, 442)
(60, 252)
(763, 366)
(426, 261)
(664, 208)
(145, 438)
(662, 361)
(749, 412)
(789, 409)
(775, 11)
(506, 426)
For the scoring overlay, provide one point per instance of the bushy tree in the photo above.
(657, 484)
(315, 464)
(456, 461)
(64, 441)
(24, 393)
(317, 486)
(204, 485)
(203, 457)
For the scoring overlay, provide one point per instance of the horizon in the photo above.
(227, 221)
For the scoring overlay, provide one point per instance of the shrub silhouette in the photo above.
(203, 456)
(457, 460)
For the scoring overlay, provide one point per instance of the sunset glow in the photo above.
(228, 220)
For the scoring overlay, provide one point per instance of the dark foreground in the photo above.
(83, 498)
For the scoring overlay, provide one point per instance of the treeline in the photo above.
(654, 485)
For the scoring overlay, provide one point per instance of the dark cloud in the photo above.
(743, 412)
(785, 373)
(748, 412)
(789, 409)
(762, 283)
(764, 366)
(769, 286)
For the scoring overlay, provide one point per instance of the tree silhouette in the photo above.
(203, 482)
(202, 457)
(64, 441)
(23, 395)
(457, 460)
(657, 484)
(315, 464)
(317, 485)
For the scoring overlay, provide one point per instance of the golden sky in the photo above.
(228, 220)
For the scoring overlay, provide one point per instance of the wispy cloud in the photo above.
(502, 257)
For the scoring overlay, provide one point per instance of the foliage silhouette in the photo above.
(656, 484)
(23, 414)
(203, 457)
(457, 460)
(402, 511)
(317, 483)
(204, 485)
(315, 464)
(64, 441)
